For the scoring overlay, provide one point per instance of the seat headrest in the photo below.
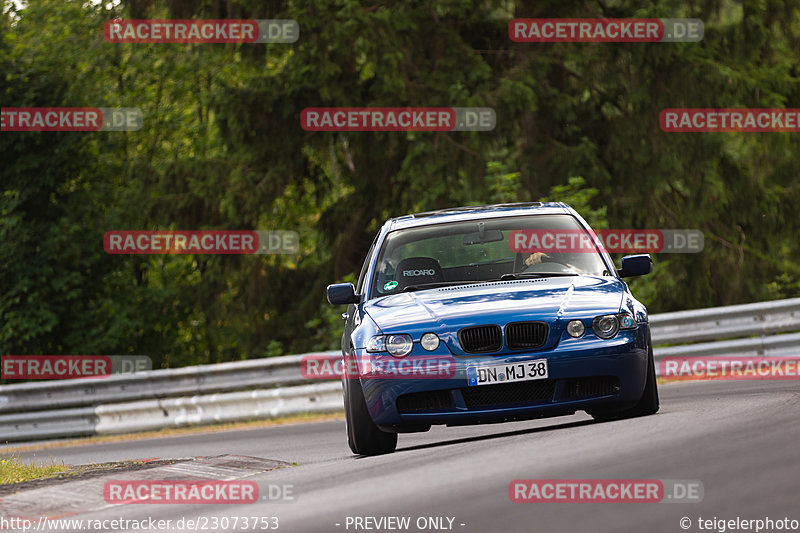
(418, 270)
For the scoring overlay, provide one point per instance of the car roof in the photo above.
(472, 212)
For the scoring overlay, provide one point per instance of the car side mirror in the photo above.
(342, 293)
(635, 265)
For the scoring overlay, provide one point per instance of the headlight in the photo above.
(376, 344)
(605, 326)
(626, 321)
(399, 345)
(430, 341)
(396, 345)
(575, 328)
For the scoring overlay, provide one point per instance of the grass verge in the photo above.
(15, 470)
(81, 472)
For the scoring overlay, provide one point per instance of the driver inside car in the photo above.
(535, 258)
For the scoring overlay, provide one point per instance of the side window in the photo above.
(360, 284)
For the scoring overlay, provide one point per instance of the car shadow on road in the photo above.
(497, 435)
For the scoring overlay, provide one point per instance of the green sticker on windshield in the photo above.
(390, 285)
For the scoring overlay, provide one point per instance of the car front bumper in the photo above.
(583, 374)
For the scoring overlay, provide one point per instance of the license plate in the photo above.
(507, 373)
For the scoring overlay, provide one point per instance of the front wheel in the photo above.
(363, 436)
(647, 405)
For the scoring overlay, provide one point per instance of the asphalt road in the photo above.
(740, 439)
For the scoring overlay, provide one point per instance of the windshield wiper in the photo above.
(436, 284)
(504, 277)
(523, 275)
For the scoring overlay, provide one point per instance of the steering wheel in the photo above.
(550, 266)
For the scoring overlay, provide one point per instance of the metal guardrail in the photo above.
(264, 388)
(152, 414)
(214, 408)
(166, 383)
(47, 424)
(772, 346)
(719, 323)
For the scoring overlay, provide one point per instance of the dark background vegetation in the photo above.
(222, 148)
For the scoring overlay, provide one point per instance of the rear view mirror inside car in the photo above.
(492, 235)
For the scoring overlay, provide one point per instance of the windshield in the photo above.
(486, 250)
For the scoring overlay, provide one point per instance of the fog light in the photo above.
(575, 328)
(430, 341)
(605, 326)
(399, 345)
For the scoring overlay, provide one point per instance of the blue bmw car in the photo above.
(488, 314)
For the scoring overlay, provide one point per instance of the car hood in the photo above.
(500, 302)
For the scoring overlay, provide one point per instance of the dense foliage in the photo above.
(222, 148)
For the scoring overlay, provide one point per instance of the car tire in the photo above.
(363, 436)
(647, 405)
